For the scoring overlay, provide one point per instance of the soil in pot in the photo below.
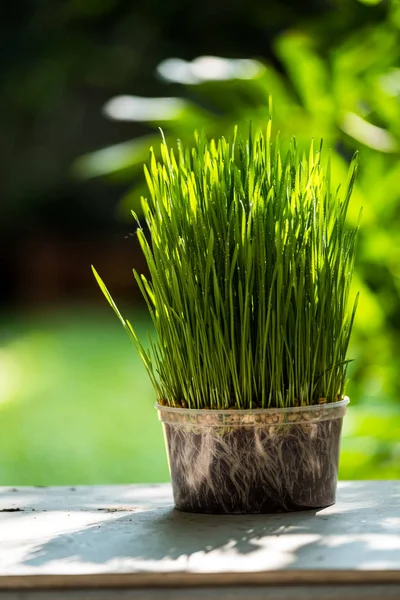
(261, 461)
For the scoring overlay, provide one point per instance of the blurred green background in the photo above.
(85, 85)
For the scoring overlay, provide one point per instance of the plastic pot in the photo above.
(253, 461)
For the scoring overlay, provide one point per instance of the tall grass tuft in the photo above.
(251, 264)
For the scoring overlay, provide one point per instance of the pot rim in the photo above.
(256, 411)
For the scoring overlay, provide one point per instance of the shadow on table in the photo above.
(309, 538)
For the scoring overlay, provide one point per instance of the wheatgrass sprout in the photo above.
(251, 263)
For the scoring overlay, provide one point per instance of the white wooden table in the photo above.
(127, 542)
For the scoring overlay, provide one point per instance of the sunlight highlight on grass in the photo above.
(10, 376)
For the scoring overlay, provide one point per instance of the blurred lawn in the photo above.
(76, 407)
(75, 403)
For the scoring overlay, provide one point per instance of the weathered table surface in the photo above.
(127, 541)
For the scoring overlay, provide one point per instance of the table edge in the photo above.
(185, 579)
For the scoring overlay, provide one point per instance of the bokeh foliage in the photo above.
(338, 82)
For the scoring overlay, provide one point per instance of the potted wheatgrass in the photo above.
(251, 263)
